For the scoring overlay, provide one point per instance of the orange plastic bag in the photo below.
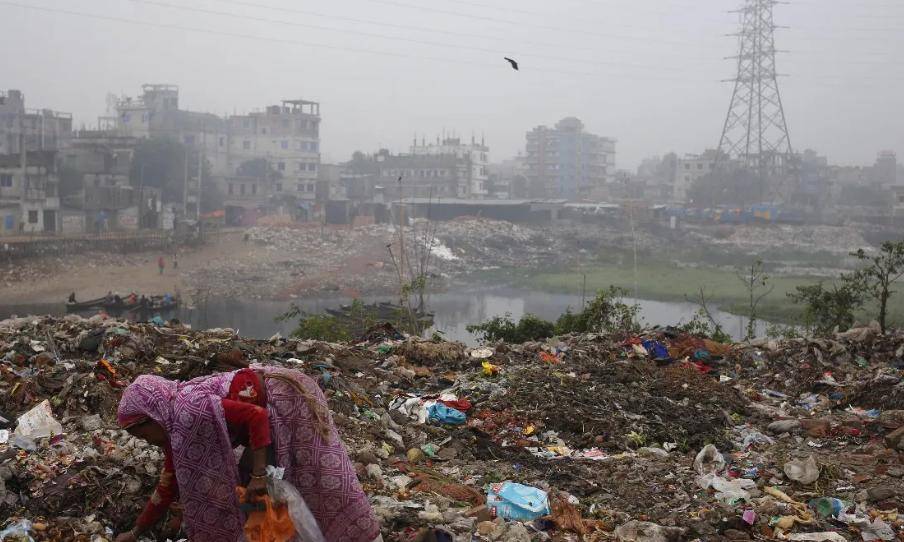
(266, 522)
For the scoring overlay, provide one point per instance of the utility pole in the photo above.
(755, 131)
(200, 175)
(23, 164)
(141, 196)
(185, 186)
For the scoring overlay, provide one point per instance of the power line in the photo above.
(646, 39)
(398, 38)
(431, 29)
(542, 70)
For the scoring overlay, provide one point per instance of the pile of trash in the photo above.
(653, 437)
(839, 240)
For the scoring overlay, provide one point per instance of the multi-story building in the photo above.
(101, 161)
(287, 136)
(29, 200)
(41, 129)
(474, 157)
(568, 162)
(391, 176)
(691, 168)
(156, 114)
(885, 172)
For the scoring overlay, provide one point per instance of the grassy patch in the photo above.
(669, 282)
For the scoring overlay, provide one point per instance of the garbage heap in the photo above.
(655, 437)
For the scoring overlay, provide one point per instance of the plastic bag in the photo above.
(34, 424)
(803, 471)
(727, 491)
(709, 460)
(509, 500)
(306, 525)
(444, 414)
(18, 531)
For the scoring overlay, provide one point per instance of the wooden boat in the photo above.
(156, 303)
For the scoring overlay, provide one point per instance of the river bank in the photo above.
(666, 281)
(304, 262)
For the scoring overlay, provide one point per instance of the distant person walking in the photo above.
(176, 259)
(161, 264)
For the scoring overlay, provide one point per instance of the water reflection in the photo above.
(454, 310)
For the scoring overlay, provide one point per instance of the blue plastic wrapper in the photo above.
(656, 349)
(444, 414)
(517, 502)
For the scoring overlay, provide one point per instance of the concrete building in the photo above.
(41, 129)
(474, 156)
(508, 179)
(568, 162)
(386, 177)
(885, 171)
(101, 161)
(287, 136)
(29, 200)
(156, 114)
(692, 167)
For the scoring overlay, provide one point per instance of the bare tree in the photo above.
(756, 282)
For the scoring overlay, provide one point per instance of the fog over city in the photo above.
(646, 72)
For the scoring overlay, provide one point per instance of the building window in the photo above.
(700, 166)
(125, 118)
(310, 188)
(6, 180)
(301, 145)
(246, 145)
(222, 141)
(246, 123)
(314, 145)
(299, 166)
(231, 189)
(254, 189)
(284, 144)
(189, 140)
(687, 166)
(242, 189)
(312, 167)
(32, 217)
(279, 187)
(264, 130)
(300, 187)
(281, 166)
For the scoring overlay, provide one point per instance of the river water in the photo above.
(453, 310)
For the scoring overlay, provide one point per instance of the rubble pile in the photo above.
(840, 240)
(301, 260)
(655, 437)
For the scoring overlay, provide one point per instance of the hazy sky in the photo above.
(647, 72)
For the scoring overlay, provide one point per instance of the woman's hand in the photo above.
(126, 537)
(257, 486)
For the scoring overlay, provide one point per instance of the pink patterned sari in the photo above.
(313, 456)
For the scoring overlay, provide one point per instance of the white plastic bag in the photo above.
(34, 424)
(709, 460)
(306, 526)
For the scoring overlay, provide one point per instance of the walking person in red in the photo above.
(161, 264)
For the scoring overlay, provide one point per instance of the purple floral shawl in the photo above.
(206, 469)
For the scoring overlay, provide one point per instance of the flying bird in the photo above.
(512, 62)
